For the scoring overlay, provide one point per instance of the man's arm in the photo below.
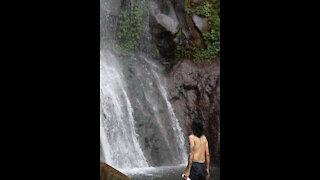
(190, 157)
(207, 157)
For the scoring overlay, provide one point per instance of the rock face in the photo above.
(194, 90)
(171, 26)
(163, 25)
(109, 173)
(169, 22)
(201, 23)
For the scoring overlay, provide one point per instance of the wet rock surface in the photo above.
(150, 111)
(194, 91)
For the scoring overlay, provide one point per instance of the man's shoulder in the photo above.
(204, 137)
(191, 136)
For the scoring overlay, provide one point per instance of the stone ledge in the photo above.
(109, 173)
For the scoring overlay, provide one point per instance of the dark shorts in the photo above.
(198, 171)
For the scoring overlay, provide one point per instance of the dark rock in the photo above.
(163, 27)
(167, 19)
(109, 173)
(165, 44)
(179, 7)
(194, 91)
(195, 37)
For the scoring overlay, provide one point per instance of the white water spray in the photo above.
(119, 140)
(120, 143)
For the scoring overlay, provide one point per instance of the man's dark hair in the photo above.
(197, 128)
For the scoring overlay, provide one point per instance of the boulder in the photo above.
(201, 23)
(167, 21)
(109, 173)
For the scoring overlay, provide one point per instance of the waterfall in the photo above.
(117, 131)
(138, 127)
(175, 122)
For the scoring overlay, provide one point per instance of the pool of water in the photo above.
(164, 173)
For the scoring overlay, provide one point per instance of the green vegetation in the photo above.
(212, 41)
(181, 52)
(205, 9)
(157, 52)
(211, 10)
(130, 26)
(212, 50)
(189, 11)
(179, 32)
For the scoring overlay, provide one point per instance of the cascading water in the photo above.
(138, 127)
(120, 145)
(175, 122)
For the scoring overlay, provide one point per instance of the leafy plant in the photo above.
(189, 11)
(179, 32)
(205, 9)
(181, 52)
(157, 52)
(130, 26)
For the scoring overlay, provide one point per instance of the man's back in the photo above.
(199, 154)
(199, 146)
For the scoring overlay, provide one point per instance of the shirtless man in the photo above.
(199, 154)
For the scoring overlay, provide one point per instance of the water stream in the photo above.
(138, 127)
(139, 132)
